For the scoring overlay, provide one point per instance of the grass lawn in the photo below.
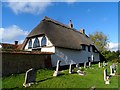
(93, 77)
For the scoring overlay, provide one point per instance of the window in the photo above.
(36, 43)
(89, 59)
(43, 41)
(83, 47)
(88, 48)
(30, 44)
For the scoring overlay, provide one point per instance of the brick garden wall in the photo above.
(20, 62)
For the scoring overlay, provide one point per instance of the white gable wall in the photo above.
(68, 56)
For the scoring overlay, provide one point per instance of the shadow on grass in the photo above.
(50, 78)
(45, 79)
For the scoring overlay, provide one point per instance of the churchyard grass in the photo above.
(45, 79)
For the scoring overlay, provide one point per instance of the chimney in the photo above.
(16, 42)
(71, 25)
(82, 31)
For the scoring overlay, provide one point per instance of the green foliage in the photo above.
(82, 69)
(111, 55)
(100, 40)
(115, 61)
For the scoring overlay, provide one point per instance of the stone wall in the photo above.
(20, 62)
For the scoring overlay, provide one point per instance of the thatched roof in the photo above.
(59, 34)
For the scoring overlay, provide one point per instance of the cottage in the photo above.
(66, 43)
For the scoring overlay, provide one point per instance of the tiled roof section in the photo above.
(19, 46)
(59, 34)
(8, 46)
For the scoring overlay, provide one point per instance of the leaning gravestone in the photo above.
(89, 64)
(70, 69)
(99, 64)
(30, 77)
(105, 74)
(57, 72)
(84, 64)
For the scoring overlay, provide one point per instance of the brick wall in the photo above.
(21, 62)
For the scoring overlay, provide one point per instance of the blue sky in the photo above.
(18, 19)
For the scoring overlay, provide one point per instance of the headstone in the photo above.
(107, 80)
(89, 64)
(112, 71)
(30, 77)
(114, 67)
(84, 64)
(57, 72)
(70, 69)
(99, 64)
(77, 67)
(105, 74)
(81, 73)
(104, 63)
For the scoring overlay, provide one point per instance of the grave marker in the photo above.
(84, 64)
(70, 69)
(57, 72)
(30, 77)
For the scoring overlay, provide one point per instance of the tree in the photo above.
(100, 40)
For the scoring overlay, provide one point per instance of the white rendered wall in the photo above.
(68, 56)
(48, 49)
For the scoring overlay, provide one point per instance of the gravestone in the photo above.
(77, 67)
(30, 77)
(104, 64)
(84, 64)
(89, 64)
(107, 80)
(70, 69)
(99, 64)
(114, 67)
(105, 74)
(57, 72)
(112, 73)
(81, 73)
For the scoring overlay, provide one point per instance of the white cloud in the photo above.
(32, 6)
(114, 46)
(29, 6)
(12, 33)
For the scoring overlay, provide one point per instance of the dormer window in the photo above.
(36, 43)
(43, 41)
(30, 44)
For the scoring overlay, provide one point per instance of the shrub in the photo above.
(115, 61)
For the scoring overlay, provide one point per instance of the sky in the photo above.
(19, 18)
